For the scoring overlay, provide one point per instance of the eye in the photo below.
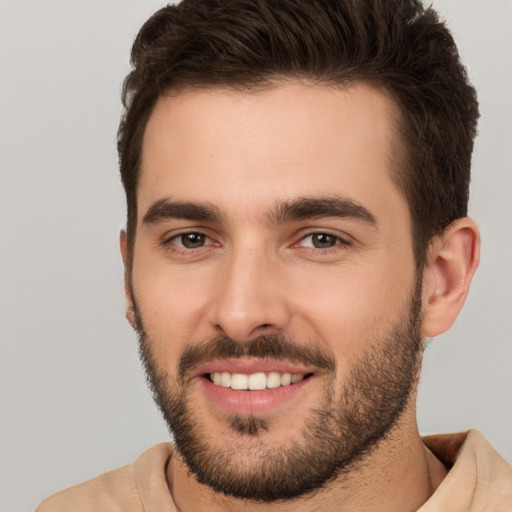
(191, 240)
(321, 241)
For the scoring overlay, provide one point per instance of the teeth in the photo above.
(273, 380)
(225, 379)
(239, 381)
(286, 379)
(296, 378)
(255, 381)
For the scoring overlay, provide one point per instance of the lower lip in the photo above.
(251, 402)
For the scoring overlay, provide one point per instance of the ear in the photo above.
(124, 247)
(452, 260)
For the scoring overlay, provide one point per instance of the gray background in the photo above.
(73, 397)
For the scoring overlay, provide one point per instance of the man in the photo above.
(297, 180)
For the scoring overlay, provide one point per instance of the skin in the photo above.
(244, 153)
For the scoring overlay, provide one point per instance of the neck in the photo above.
(400, 474)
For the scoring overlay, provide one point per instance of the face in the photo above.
(273, 282)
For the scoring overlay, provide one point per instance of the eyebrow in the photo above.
(288, 211)
(314, 208)
(165, 209)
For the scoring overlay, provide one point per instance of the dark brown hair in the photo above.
(398, 46)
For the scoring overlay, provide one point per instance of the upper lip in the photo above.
(249, 366)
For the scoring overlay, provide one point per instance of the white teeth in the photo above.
(255, 381)
(239, 381)
(273, 380)
(225, 379)
(286, 379)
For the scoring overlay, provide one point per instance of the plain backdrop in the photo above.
(73, 397)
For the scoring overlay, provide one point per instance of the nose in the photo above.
(251, 296)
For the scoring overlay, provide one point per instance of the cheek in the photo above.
(349, 309)
(171, 303)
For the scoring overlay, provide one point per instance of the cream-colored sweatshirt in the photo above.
(479, 481)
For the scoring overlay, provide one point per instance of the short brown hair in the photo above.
(396, 45)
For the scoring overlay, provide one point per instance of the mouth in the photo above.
(253, 386)
(255, 381)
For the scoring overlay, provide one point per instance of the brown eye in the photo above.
(323, 240)
(191, 240)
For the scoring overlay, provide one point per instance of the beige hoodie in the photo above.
(479, 481)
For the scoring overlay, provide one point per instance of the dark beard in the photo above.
(337, 436)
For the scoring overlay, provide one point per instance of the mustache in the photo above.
(273, 346)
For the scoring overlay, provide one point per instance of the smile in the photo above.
(253, 386)
(255, 381)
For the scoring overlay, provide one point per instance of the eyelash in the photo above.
(338, 241)
(170, 243)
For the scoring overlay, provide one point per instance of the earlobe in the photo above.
(124, 248)
(452, 262)
(123, 245)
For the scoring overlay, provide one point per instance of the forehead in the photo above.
(257, 148)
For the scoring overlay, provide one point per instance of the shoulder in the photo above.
(122, 489)
(494, 472)
(112, 491)
(479, 478)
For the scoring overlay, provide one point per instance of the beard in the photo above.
(350, 421)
